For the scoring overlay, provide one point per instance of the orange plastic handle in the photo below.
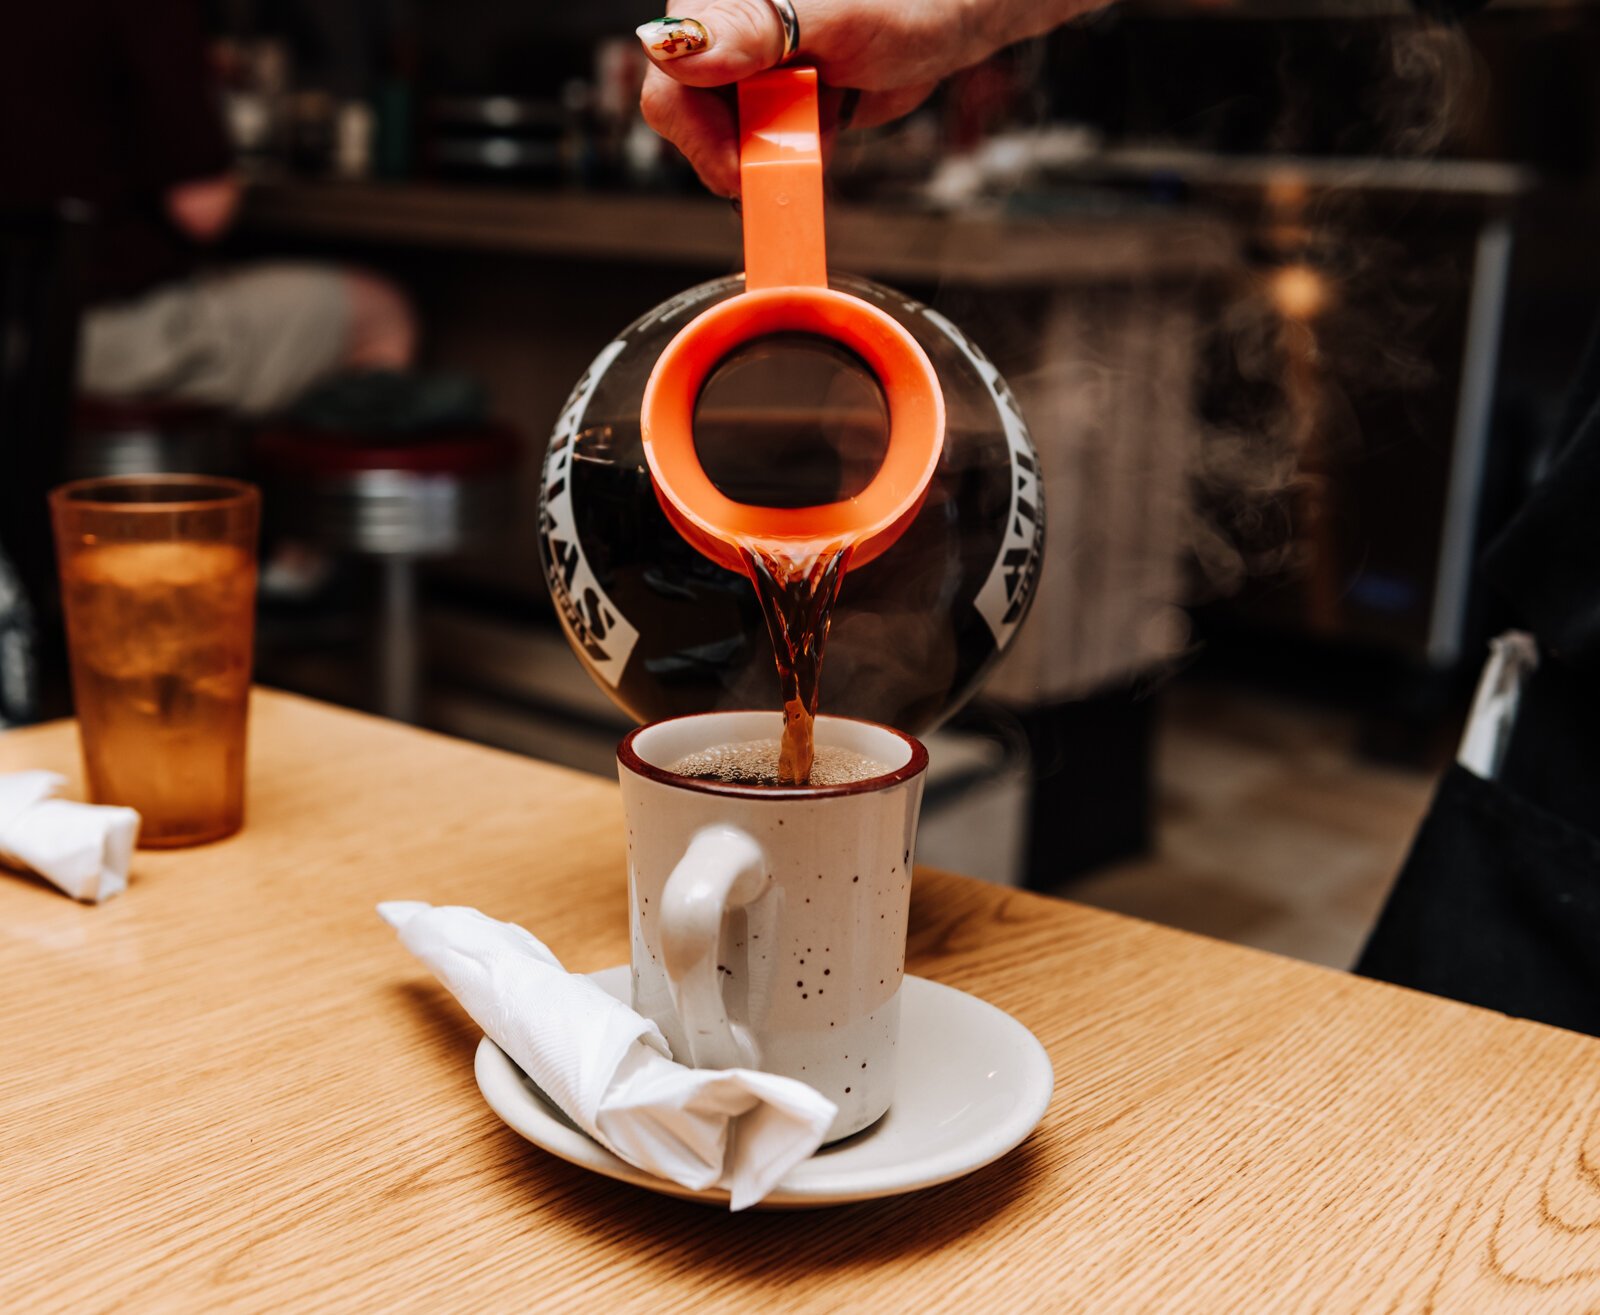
(780, 180)
(872, 519)
(786, 291)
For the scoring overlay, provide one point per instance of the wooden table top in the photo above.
(231, 1088)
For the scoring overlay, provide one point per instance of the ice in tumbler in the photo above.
(158, 580)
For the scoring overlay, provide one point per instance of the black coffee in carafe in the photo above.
(666, 632)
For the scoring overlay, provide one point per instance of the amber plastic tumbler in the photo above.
(158, 578)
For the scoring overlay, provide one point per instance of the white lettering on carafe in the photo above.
(596, 624)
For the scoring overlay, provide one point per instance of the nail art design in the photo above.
(673, 38)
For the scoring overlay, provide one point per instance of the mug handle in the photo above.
(722, 869)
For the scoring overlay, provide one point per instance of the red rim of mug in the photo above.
(914, 766)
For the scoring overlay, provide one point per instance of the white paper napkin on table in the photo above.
(83, 848)
(609, 1068)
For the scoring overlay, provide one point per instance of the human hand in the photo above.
(882, 57)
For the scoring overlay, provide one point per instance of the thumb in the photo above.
(710, 43)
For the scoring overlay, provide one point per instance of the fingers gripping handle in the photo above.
(780, 180)
(723, 869)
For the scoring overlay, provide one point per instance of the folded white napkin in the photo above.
(83, 848)
(608, 1068)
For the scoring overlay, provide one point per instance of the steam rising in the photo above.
(1329, 308)
(1421, 104)
(1337, 311)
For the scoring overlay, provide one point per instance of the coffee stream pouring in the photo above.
(827, 440)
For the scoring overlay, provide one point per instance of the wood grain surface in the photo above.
(230, 1088)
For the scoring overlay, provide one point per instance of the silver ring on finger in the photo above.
(784, 9)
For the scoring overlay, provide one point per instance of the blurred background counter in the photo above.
(981, 245)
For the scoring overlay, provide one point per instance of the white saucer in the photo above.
(973, 1082)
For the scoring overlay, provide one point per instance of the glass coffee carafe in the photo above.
(799, 411)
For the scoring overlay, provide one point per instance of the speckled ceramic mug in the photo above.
(769, 922)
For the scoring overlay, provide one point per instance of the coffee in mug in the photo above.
(755, 762)
(769, 921)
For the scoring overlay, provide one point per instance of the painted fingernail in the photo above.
(673, 38)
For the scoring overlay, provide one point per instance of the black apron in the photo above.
(1498, 903)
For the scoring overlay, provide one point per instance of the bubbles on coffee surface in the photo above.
(755, 762)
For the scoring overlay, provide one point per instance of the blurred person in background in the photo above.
(112, 103)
